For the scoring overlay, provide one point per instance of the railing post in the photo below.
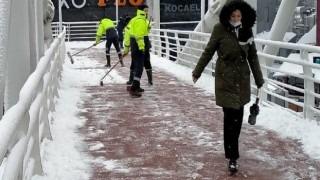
(286, 103)
(34, 133)
(308, 88)
(152, 41)
(160, 44)
(178, 46)
(167, 45)
(69, 31)
(262, 60)
(154, 38)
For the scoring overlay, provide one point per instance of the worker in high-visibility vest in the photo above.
(107, 27)
(136, 37)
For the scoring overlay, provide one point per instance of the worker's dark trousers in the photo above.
(115, 43)
(137, 59)
(146, 64)
(148, 67)
(231, 131)
(146, 61)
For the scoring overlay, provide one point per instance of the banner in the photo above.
(174, 11)
(94, 10)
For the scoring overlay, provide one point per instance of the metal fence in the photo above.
(185, 47)
(78, 31)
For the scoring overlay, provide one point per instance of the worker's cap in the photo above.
(142, 7)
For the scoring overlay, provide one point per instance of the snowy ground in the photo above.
(62, 158)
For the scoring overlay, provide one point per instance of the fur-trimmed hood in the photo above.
(248, 13)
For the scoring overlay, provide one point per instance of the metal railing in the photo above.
(26, 123)
(86, 30)
(78, 31)
(309, 70)
(186, 47)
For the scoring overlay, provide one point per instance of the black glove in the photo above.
(141, 52)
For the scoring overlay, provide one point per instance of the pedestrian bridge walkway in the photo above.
(174, 131)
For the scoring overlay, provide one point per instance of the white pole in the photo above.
(278, 30)
(4, 33)
(203, 6)
(280, 25)
(117, 11)
(254, 4)
(60, 17)
(156, 13)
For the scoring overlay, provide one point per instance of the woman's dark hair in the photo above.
(248, 13)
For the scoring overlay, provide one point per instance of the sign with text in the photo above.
(94, 10)
(187, 10)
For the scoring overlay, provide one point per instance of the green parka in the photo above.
(236, 56)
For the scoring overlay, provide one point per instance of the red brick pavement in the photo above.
(174, 131)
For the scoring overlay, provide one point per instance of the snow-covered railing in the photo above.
(170, 45)
(25, 124)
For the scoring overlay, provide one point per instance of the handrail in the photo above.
(79, 30)
(175, 45)
(186, 47)
(76, 31)
(26, 123)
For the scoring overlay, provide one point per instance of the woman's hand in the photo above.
(194, 79)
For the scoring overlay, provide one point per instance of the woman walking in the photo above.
(232, 39)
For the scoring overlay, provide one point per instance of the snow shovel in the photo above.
(254, 111)
(71, 55)
(101, 80)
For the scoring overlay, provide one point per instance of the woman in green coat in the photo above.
(232, 39)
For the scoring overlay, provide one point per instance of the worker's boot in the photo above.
(149, 74)
(129, 83)
(108, 61)
(120, 58)
(130, 78)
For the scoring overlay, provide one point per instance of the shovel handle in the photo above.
(257, 100)
(85, 49)
(258, 96)
(110, 70)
